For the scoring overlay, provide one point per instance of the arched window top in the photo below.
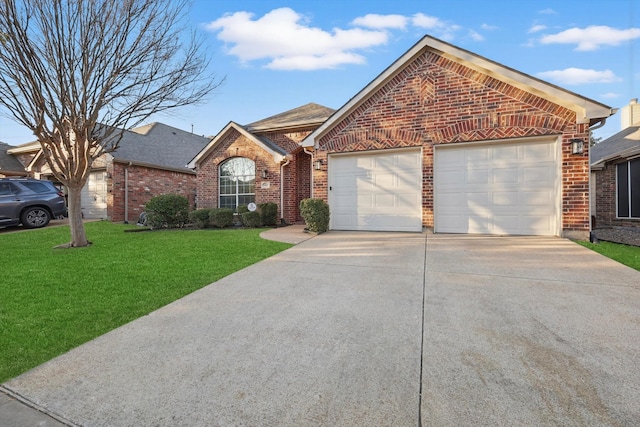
(239, 168)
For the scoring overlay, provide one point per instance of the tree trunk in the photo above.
(78, 235)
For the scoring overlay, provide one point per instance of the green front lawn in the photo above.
(624, 254)
(52, 300)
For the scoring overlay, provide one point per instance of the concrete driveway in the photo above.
(372, 329)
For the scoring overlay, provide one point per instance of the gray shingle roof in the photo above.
(159, 144)
(7, 161)
(308, 114)
(620, 145)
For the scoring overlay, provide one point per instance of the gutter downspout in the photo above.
(601, 123)
(282, 165)
(311, 168)
(126, 193)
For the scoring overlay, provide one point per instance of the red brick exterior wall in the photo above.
(606, 201)
(144, 183)
(434, 100)
(295, 174)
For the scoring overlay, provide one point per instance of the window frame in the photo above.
(628, 185)
(240, 182)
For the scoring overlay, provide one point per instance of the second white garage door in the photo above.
(499, 188)
(377, 191)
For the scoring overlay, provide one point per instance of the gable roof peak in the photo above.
(586, 110)
(303, 116)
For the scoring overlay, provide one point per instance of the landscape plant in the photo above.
(221, 217)
(268, 213)
(315, 213)
(250, 219)
(200, 218)
(167, 211)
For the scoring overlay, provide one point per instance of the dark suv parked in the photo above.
(30, 202)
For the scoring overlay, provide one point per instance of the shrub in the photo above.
(200, 218)
(316, 214)
(167, 210)
(268, 213)
(250, 219)
(242, 209)
(221, 217)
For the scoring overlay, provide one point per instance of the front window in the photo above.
(237, 182)
(628, 189)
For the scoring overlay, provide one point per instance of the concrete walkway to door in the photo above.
(350, 329)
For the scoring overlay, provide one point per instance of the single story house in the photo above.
(150, 161)
(260, 162)
(443, 138)
(615, 169)
(10, 165)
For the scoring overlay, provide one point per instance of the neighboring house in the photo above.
(10, 165)
(150, 161)
(615, 168)
(260, 162)
(449, 140)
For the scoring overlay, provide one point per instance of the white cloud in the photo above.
(373, 20)
(284, 39)
(537, 28)
(547, 11)
(592, 37)
(442, 29)
(428, 22)
(476, 36)
(578, 76)
(488, 27)
(610, 95)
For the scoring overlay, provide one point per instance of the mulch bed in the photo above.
(626, 236)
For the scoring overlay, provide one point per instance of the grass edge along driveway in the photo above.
(53, 300)
(624, 254)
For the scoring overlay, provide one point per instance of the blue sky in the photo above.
(278, 55)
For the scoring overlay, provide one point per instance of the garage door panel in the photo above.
(479, 155)
(507, 152)
(479, 176)
(376, 191)
(520, 196)
(505, 176)
(537, 198)
(540, 152)
(506, 198)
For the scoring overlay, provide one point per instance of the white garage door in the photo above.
(500, 188)
(94, 196)
(379, 191)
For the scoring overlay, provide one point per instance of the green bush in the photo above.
(250, 219)
(200, 218)
(242, 209)
(315, 213)
(268, 213)
(167, 210)
(221, 217)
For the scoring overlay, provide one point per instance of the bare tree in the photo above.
(79, 72)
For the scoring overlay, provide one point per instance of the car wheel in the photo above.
(35, 217)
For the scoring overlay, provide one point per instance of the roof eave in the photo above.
(286, 126)
(153, 166)
(193, 164)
